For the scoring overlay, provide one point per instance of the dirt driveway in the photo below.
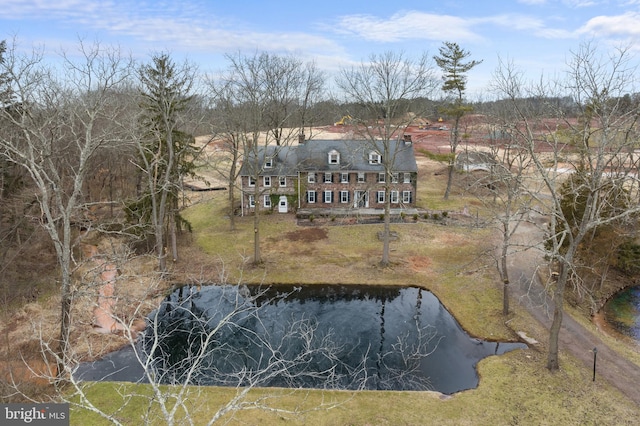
(574, 338)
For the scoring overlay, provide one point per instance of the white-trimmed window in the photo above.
(344, 196)
(406, 197)
(344, 177)
(268, 163)
(374, 158)
(406, 177)
(252, 181)
(282, 180)
(334, 157)
(311, 196)
(252, 201)
(266, 181)
(361, 177)
(266, 200)
(394, 177)
(381, 177)
(311, 178)
(328, 177)
(394, 197)
(380, 197)
(328, 196)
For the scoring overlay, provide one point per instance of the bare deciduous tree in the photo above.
(264, 99)
(600, 151)
(383, 86)
(61, 119)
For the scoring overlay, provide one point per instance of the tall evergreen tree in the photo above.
(454, 68)
(166, 152)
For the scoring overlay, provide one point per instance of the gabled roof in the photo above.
(312, 155)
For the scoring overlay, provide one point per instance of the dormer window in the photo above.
(374, 158)
(268, 163)
(334, 157)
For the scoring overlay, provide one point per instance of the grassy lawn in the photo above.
(514, 389)
(450, 261)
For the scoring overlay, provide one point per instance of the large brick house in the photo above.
(329, 174)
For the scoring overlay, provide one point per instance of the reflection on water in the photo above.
(345, 337)
(623, 312)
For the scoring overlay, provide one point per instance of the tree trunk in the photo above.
(232, 215)
(172, 236)
(504, 271)
(256, 237)
(160, 252)
(65, 330)
(553, 362)
(232, 194)
(449, 180)
(386, 228)
(454, 147)
(505, 297)
(63, 252)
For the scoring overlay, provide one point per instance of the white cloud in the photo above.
(42, 9)
(581, 3)
(525, 23)
(414, 25)
(406, 25)
(533, 2)
(625, 25)
(166, 25)
(514, 21)
(569, 3)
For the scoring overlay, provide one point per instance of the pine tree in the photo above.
(452, 63)
(166, 152)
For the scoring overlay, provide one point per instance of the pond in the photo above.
(622, 311)
(316, 336)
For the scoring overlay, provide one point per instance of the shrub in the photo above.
(311, 218)
(629, 257)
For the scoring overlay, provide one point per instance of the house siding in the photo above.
(370, 186)
(248, 191)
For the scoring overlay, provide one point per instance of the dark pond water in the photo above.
(332, 337)
(623, 312)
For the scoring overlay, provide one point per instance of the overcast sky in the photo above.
(537, 35)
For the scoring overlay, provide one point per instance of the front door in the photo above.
(282, 204)
(360, 199)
